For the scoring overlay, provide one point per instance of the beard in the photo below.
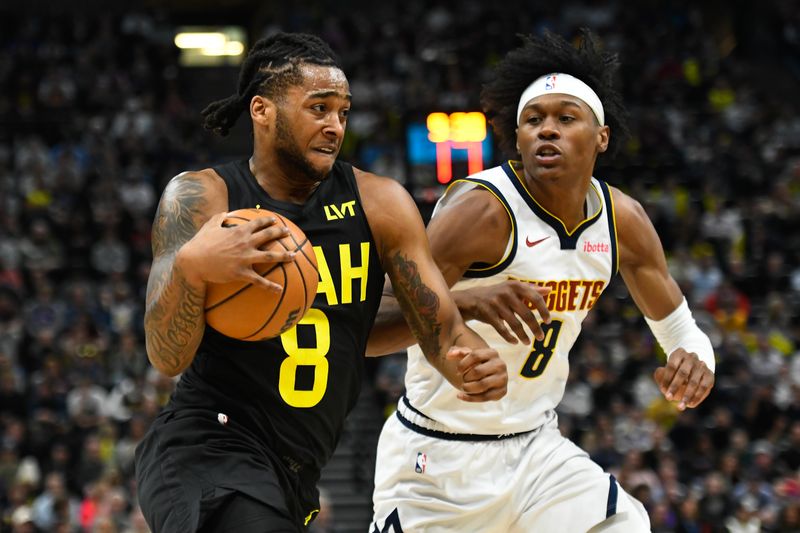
(290, 156)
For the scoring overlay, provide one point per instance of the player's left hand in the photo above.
(483, 372)
(685, 379)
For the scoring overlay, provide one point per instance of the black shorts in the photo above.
(242, 514)
(190, 469)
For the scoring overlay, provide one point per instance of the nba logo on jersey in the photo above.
(422, 462)
(549, 83)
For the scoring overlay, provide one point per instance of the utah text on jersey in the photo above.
(349, 273)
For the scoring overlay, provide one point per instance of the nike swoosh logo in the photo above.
(531, 243)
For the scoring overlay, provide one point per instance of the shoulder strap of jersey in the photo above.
(233, 175)
(611, 218)
(461, 186)
(343, 174)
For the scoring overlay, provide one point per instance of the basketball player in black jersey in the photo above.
(240, 445)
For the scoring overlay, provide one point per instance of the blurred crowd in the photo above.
(95, 118)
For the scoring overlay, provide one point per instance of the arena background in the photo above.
(98, 109)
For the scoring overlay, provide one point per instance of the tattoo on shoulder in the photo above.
(419, 303)
(178, 212)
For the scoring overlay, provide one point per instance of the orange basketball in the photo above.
(250, 313)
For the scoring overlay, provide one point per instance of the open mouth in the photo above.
(547, 154)
(548, 150)
(327, 150)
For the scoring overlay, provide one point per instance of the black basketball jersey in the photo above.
(291, 393)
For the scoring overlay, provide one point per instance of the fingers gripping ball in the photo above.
(251, 313)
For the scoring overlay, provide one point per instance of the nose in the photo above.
(334, 126)
(549, 129)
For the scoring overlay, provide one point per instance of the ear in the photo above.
(516, 136)
(262, 110)
(603, 137)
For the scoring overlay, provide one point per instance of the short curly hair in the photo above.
(541, 55)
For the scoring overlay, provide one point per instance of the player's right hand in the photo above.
(483, 373)
(506, 305)
(218, 254)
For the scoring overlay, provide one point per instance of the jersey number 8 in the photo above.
(314, 357)
(542, 351)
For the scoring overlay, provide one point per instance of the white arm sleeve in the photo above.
(679, 330)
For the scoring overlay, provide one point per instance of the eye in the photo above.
(345, 113)
(534, 119)
(566, 118)
(319, 107)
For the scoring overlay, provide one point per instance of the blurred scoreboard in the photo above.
(446, 146)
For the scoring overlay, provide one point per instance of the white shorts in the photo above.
(530, 482)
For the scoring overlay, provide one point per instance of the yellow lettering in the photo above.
(347, 207)
(328, 214)
(325, 285)
(315, 357)
(350, 272)
(335, 213)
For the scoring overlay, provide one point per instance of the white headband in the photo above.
(562, 84)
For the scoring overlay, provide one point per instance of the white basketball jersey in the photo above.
(576, 265)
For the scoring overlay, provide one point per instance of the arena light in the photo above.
(234, 48)
(210, 46)
(201, 40)
(229, 48)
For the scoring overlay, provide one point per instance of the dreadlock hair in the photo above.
(543, 55)
(271, 66)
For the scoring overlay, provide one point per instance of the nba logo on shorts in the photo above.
(422, 462)
(549, 83)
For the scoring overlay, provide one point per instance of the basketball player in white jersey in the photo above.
(535, 238)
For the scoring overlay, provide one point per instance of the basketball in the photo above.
(248, 312)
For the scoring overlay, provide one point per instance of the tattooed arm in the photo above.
(190, 249)
(474, 227)
(173, 319)
(423, 296)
